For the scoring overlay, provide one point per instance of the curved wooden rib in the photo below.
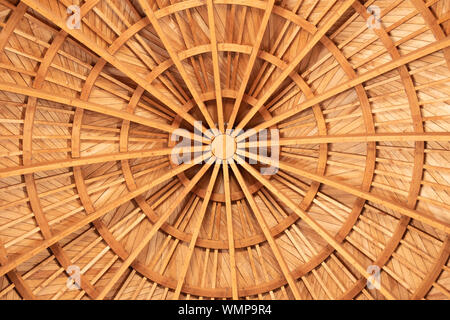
(433, 274)
(11, 24)
(15, 18)
(30, 185)
(16, 279)
(369, 170)
(432, 23)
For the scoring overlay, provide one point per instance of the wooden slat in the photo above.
(83, 161)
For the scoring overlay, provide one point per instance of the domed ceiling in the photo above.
(224, 149)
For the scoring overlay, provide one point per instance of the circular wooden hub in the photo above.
(223, 146)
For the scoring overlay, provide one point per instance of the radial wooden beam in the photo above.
(231, 245)
(22, 288)
(11, 24)
(265, 229)
(83, 161)
(154, 229)
(13, 263)
(389, 66)
(177, 61)
(295, 62)
(251, 62)
(355, 138)
(196, 231)
(86, 105)
(400, 208)
(312, 223)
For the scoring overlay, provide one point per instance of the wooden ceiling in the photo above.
(87, 182)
